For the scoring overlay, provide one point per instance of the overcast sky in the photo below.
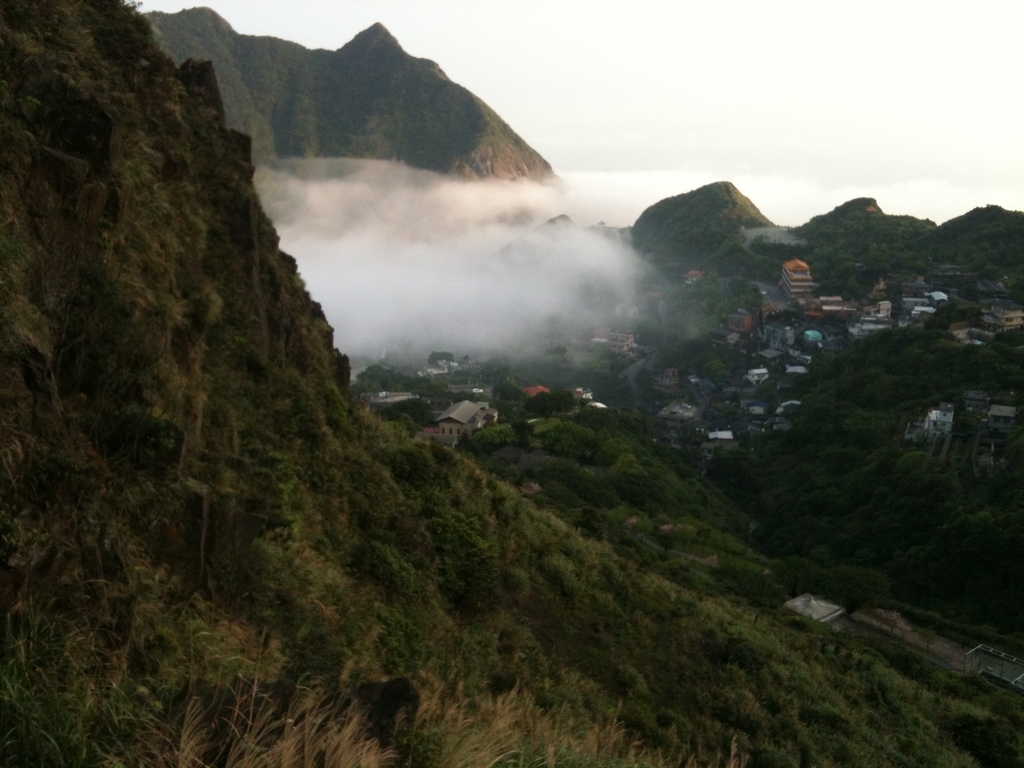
(802, 104)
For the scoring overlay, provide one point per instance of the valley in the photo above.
(340, 462)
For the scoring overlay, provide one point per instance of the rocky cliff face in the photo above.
(141, 286)
(369, 99)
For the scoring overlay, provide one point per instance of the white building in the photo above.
(757, 375)
(939, 421)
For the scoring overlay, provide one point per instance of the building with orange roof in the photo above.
(533, 391)
(797, 280)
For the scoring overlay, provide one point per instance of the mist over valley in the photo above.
(407, 260)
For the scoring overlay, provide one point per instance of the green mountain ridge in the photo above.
(857, 242)
(858, 223)
(369, 99)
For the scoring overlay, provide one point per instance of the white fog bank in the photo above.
(407, 259)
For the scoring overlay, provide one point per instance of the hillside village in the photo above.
(741, 384)
(774, 344)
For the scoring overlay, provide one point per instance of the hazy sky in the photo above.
(802, 104)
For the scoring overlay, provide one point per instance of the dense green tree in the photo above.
(550, 403)
(494, 437)
(509, 392)
(419, 412)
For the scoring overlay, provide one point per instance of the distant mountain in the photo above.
(369, 99)
(697, 228)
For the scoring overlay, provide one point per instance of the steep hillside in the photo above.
(369, 99)
(187, 494)
(947, 535)
(699, 228)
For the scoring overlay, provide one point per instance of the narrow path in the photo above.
(630, 374)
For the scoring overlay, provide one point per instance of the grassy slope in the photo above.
(159, 349)
(368, 99)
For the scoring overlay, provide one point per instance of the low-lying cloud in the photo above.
(407, 260)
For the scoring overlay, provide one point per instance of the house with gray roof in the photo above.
(1003, 315)
(1001, 417)
(464, 418)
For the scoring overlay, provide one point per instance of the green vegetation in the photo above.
(851, 247)
(988, 241)
(859, 233)
(699, 229)
(844, 487)
(369, 99)
(188, 492)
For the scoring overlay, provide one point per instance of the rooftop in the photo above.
(815, 608)
(461, 412)
(1004, 304)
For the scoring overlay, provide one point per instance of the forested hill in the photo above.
(698, 229)
(369, 99)
(857, 225)
(849, 248)
(190, 499)
(844, 487)
(988, 240)
(857, 242)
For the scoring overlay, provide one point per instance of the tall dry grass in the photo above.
(512, 731)
(309, 735)
(506, 731)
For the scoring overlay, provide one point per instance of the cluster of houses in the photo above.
(989, 424)
(724, 412)
(622, 343)
(830, 323)
(441, 368)
(454, 416)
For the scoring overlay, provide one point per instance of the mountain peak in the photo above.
(859, 205)
(376, 35)
(368, 99)
(561, 220)
(726, 186)
(201, 15)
